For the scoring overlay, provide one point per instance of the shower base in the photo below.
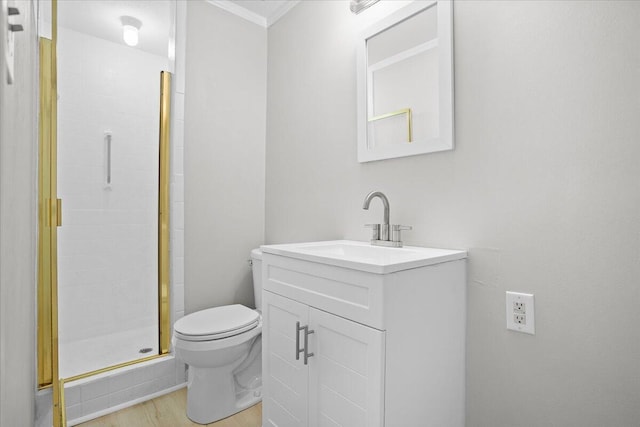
(79, 357)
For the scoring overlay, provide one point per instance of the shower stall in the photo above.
(105, 306)
(108, 178)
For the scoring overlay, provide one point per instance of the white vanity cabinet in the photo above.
(383, 336)
(341, 383)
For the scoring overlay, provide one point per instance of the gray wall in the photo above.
(18, 151)
(224, 155)
(543, 188)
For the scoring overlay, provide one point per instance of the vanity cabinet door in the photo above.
(285, 379)
(342, 382)
(346, 372)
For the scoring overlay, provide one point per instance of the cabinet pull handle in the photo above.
(298, 349)
(303, 350)
(307, 332)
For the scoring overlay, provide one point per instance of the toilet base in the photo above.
(225, 375)
(205, 383)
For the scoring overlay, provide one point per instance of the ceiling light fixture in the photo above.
(130, 28)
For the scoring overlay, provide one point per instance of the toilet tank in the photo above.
(256, 266)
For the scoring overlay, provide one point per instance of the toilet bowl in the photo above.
(223, 348)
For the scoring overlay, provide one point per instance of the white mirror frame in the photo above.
(445, 69)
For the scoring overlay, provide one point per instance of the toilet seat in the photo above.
(216, 323)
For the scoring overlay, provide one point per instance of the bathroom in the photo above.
(540, 188)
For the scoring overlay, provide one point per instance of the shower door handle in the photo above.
(108, 140)
(53, 213)
(59, 212)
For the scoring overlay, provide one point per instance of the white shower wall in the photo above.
(107, 247)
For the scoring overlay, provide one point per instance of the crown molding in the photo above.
(240, 11)
(281, 11)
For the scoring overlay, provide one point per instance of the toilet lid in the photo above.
(216, 323)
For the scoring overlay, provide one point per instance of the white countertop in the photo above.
(363, 256)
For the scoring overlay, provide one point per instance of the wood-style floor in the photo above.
(170, 411)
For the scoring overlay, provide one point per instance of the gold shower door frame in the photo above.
(50, 218)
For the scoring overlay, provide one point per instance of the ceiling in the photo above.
(101, 18)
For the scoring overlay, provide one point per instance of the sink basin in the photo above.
(365, 257)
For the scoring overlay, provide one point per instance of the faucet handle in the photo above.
(375, 228)
(396, 235)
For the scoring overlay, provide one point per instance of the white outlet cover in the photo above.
(529, 326)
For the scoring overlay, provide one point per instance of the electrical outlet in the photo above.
(520, 313)
(519, 307)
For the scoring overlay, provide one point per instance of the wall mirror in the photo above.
(405, 83)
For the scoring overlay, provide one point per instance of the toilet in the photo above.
(223, 348)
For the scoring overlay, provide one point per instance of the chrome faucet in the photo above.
(382, 236)
(383, 229)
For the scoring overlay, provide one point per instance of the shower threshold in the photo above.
(81, 356)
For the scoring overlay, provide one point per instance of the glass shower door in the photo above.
(108, 178)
